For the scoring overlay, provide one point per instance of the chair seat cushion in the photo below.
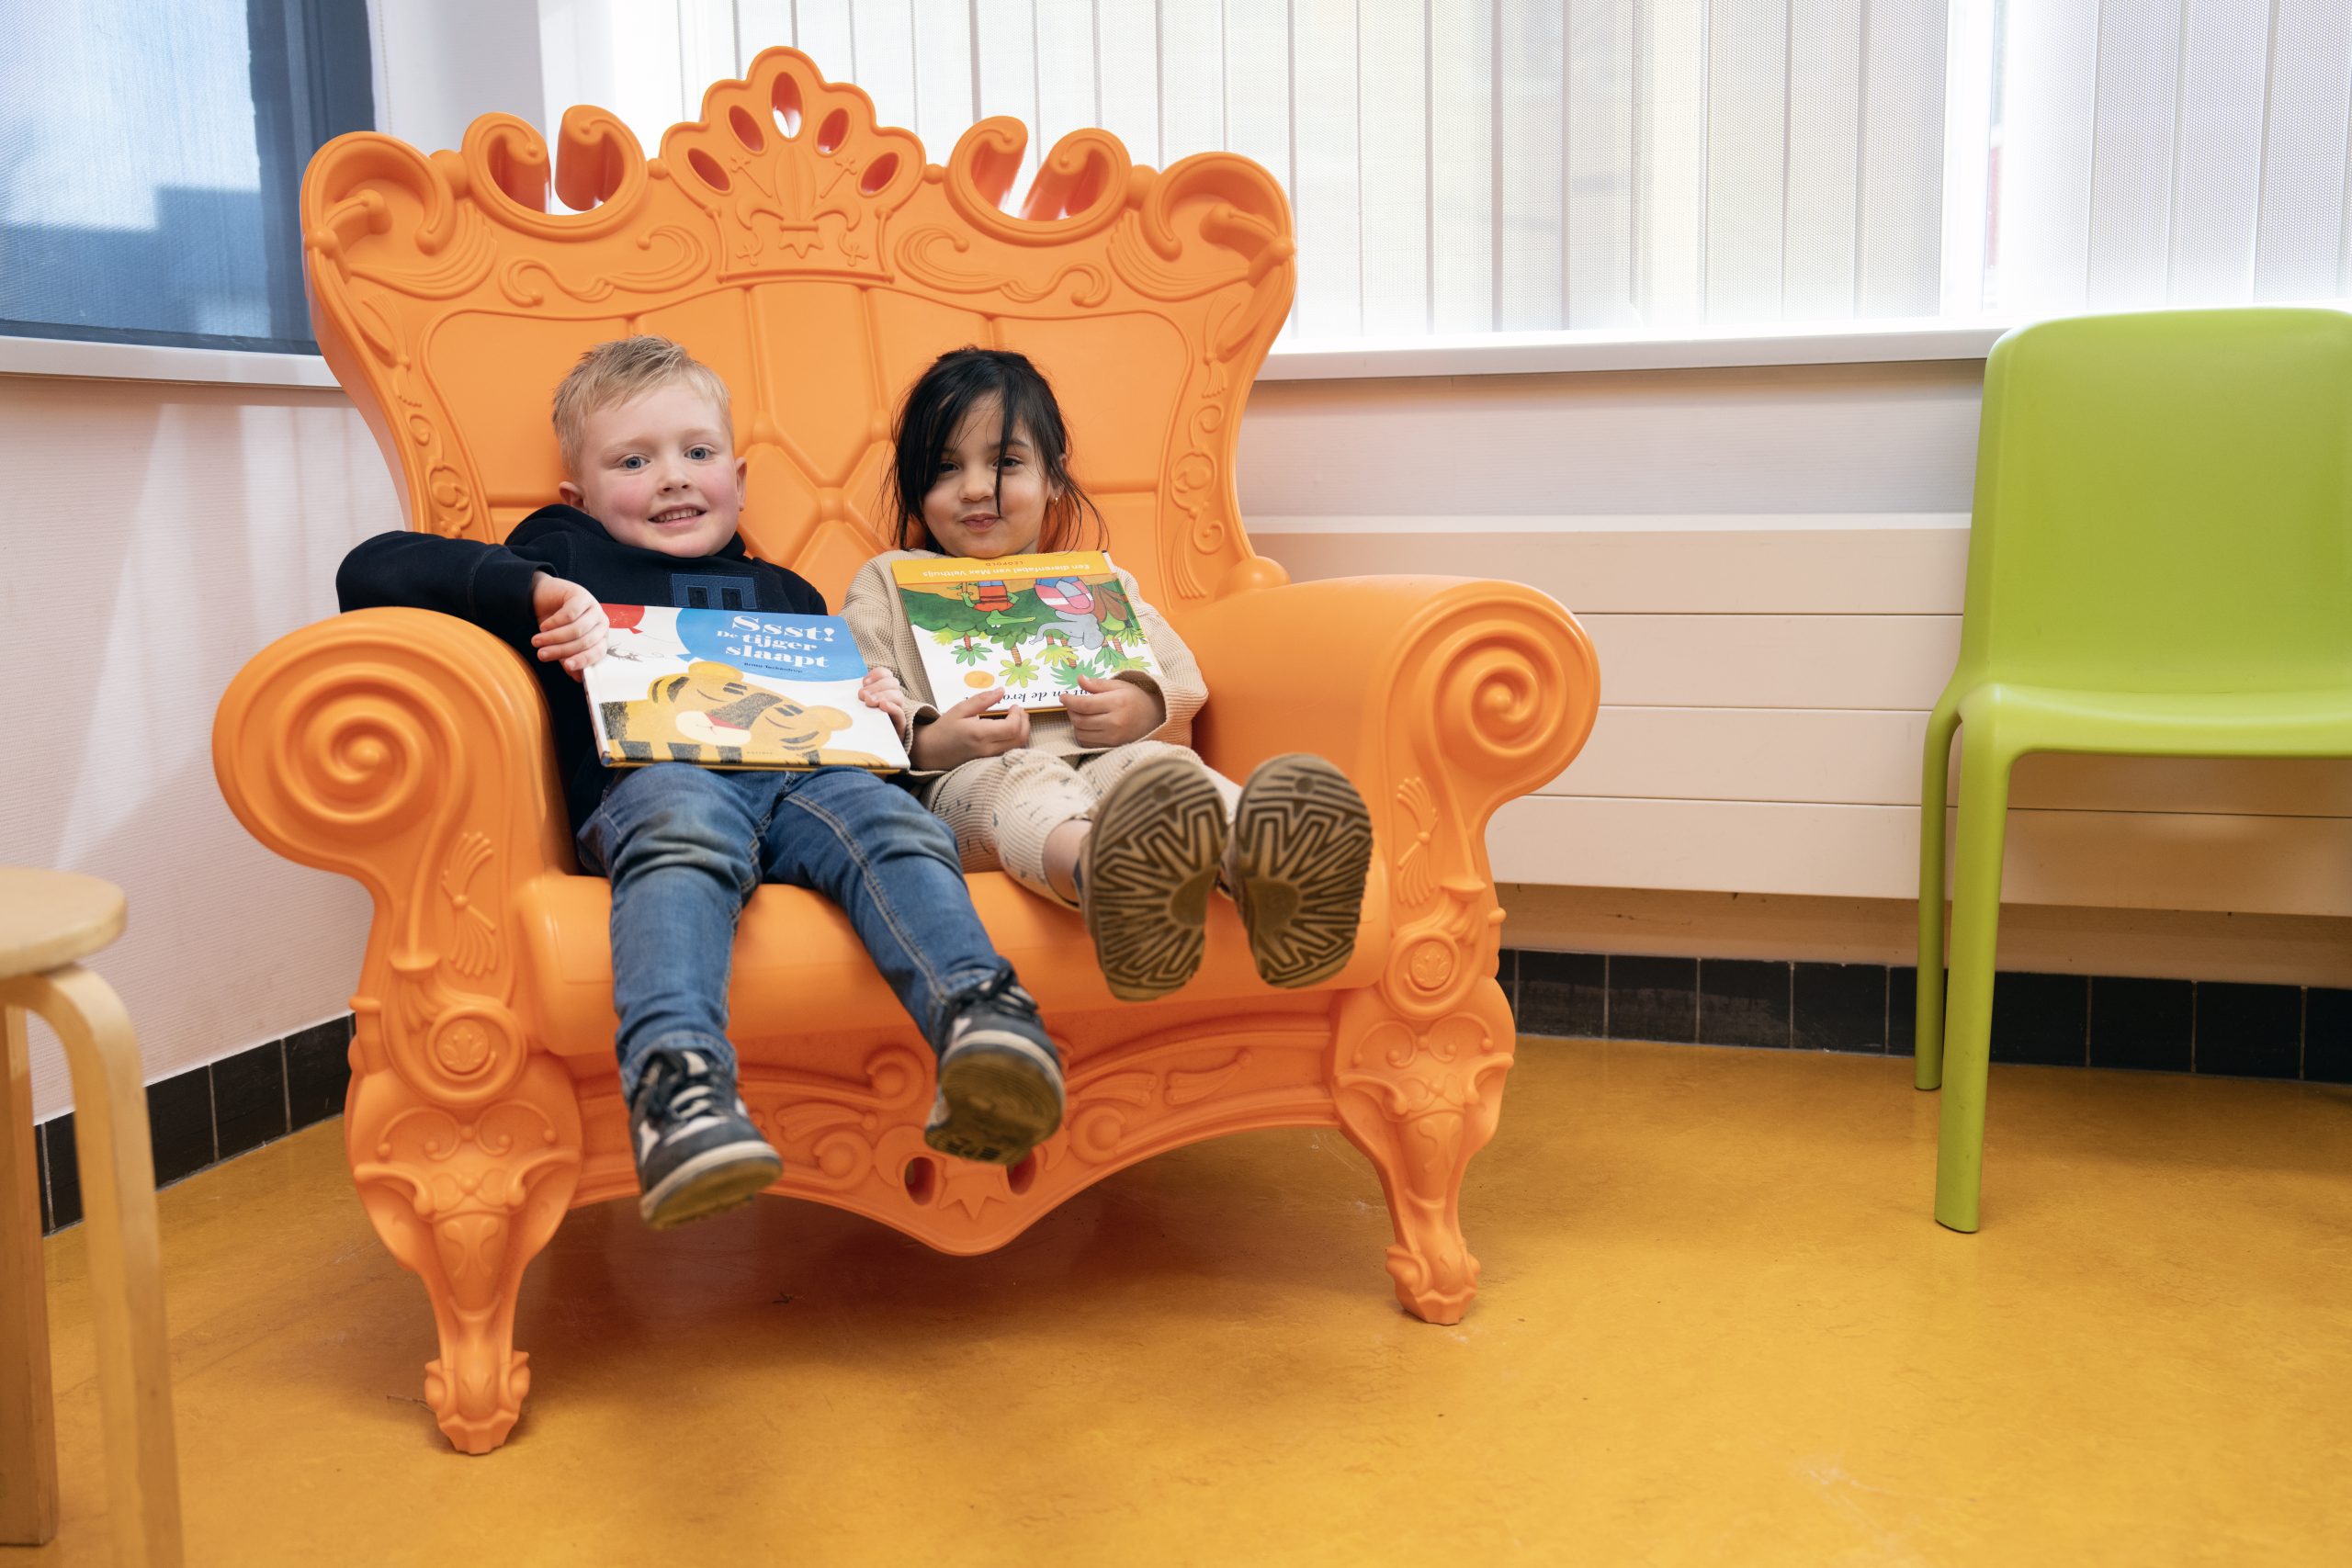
(2288, 723)
(800, 972)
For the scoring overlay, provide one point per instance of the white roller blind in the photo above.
(1466, 167)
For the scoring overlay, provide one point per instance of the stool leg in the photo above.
(28, 1434)
(126, 1258)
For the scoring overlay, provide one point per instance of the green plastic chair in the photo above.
(2160, 564)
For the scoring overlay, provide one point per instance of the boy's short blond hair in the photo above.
(622, 369)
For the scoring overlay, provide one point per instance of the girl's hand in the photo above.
(967, 731)
(1112, 713)
(880, 689)
(572, 627)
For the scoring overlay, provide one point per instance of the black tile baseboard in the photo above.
(2219, 1028)
(1902, 1009)
(1561, 993)
(207, 1114)
(2149, 1024)
(2327, 1035)
(249, 1099)
(2249, 1031)
(2043, 1020)
(1653, 998)
(1840, 1007)
(318, 1072)
(64, 1172)
(1742, 1002)
(179, 1125)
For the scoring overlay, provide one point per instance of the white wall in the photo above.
(155, 536)
(1771, 564)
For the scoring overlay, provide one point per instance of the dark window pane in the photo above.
(153, 199)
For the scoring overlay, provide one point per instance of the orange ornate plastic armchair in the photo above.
(818, 262)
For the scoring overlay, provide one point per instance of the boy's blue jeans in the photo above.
(684, 848)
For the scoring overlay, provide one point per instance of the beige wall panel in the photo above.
(1774, 662)
(1809, 438)
(2283, 866)
(1853, 757)
(1878, 563)
(1863, 757)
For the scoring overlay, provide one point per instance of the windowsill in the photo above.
(1492, 354)
(157, 362)
(1528, 354)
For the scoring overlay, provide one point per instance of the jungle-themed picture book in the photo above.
(734, 689)
(1033, 625)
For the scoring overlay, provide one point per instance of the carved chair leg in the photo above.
(465, 1197)
(1420, 1096)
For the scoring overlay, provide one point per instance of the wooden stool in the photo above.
(49, 919)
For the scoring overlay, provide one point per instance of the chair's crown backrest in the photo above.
(2164, 503)
(819, 264)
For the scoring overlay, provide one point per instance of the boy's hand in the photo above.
(571, 624)
(880, 689)
(967, 731)
(1111, 713)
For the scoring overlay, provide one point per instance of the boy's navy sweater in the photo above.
(491, 586)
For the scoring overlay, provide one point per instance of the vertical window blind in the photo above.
(2173, 153)
(1475, 166)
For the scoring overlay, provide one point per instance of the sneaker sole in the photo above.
(999, 1107)
(1301, 844)
(712, 1183)
(1152, 859)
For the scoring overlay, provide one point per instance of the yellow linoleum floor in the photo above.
(1716, 1326)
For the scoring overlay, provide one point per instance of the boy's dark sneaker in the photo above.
(1145, 874)
(1301, 848)
(999, 1081)
(697, 1153)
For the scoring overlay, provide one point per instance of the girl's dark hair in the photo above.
(935, 406)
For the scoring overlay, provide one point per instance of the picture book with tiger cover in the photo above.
(735, 689)
(1033, 625)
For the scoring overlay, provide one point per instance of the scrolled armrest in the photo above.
(1480, 690)
(411, 752)
(1441, 697)
(369, 744)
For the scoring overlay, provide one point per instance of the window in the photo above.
(153, 154)
(2180, 153)
(1482, 167)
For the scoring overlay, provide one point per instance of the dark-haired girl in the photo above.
(1102, 806)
